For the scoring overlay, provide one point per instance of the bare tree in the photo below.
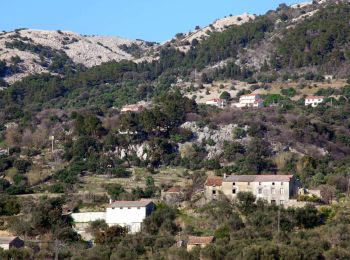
(327, 193)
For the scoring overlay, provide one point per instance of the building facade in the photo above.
(218, 102)
(275, 189)
(251, 100)
(314, 101)
(129, 213)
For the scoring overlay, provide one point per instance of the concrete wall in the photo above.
(87, 217)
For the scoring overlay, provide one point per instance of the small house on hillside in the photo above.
(314, 101)
(213, 186)
(218, 102)
(173, 195)
(250, 100)
(7, 243)
(202, 242)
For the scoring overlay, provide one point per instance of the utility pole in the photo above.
(52, 139)
(278, 219)
(56, 249)
(348, 177)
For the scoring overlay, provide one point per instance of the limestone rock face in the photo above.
(87, 50)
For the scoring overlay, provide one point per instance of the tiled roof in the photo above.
(258, 178)
(214, 181)
(192, 240)
(174, 189)
(138, 203)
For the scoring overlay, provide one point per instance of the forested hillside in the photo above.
(67, 145)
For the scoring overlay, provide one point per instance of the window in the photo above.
(282, 191)
(234, 191)
(121, 207)
(273, 183)
(260, 190)
(281, 202)
(214, 192)
(259, 183)
(282, 183)
(273, 202)
(138, 207)
(273, 191)
(129, 208)
(248, 183)
(233, 183)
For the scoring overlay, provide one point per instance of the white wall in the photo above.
(87, 217)
(132, 217)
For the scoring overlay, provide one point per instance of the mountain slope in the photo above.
(89, 51)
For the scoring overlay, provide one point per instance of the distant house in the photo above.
(132, 108)
(314, 101)
(139, 107)
(213, 187)
(250, 100)
(173, 195)
(328, 77)
(202, 242)
(275, 189)
(7, 243)
(218, 102)
(129, 213)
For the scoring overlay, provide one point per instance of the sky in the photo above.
(152, 20)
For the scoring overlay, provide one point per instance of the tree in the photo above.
(246, 202)
(328, 193)
(225, 95)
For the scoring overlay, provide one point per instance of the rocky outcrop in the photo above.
(87, 50)
(214, 138)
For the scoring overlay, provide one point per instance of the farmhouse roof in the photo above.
(193, 240)
(258, 178)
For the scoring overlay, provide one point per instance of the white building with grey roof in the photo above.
(129, 213)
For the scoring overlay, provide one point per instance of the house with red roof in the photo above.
(194, 241)
(275, 189)
(173, 196)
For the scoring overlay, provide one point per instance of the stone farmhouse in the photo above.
(314, 101)
(275, 189)
(251, 100)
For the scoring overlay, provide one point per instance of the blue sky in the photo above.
(153, 20)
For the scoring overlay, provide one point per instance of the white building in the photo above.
(129, 213)
(7, 243)
(250, 100)
(123, 213)
(314, 101)
(218, 102)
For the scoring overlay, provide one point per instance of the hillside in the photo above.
(86, 119)
(36, 49)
